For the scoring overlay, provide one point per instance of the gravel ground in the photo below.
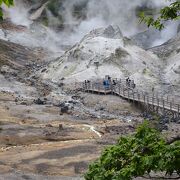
(21, 176)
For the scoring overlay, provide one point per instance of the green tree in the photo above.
(7, 3)
(137, 155)
(171, 12)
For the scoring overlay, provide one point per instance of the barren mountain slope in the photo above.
(16, 55)
(102, 52)
(169, 52)
(17, 64)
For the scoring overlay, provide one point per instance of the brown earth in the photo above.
(36, 139)
(36, 142)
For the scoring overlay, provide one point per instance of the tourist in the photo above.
(114, 82)
(85, 84)
(127, 81)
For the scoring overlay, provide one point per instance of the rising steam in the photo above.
(99, 13)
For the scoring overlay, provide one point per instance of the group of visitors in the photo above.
(130, 83)
(108, 82)
(86, 83)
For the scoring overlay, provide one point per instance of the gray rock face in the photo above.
(146, 39)
(105, 51)
(170, 74)
(167, 49)
(112, 32)
(15, 55)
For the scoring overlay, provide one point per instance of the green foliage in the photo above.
(7, 3)
(171, 12)
(136, 155)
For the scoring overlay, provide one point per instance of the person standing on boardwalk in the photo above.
(127, 81)
(114, 82)
(85, 83)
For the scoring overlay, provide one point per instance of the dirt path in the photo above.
(36, 140)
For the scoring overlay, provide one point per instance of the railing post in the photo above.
(83, 86)
(88, 87)
(114, 89)
(133, 95)
(144, 98)
(157, 97)
(111, 88)
(171, 110)
(128, 94)
(163, 108)
(147, 95)
(98, 88)
(104, 90)
(157, 104)
(153, 100)
(170, 105)
(173, 101)
(147, 99)
(138, 96)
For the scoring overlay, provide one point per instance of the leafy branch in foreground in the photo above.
(171, 12)
(137, 155)
(7, 3)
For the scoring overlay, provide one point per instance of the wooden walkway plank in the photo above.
(122, 90)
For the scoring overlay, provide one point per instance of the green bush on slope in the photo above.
(137, 155)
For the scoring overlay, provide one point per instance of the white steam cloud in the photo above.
(99, 13)
(18, 13)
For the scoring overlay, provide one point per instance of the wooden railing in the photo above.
(123, 90)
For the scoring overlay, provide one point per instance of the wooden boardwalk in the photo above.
(151, 102)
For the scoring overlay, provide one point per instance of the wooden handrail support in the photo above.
(120, 88)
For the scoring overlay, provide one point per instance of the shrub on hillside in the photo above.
(137, 155)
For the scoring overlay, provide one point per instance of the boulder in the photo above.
(64, 109)
(5, 69)
(39, 101)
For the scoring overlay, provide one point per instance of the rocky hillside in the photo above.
(17, 64)
(170, 53)
(15, 55)
(105, 52)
